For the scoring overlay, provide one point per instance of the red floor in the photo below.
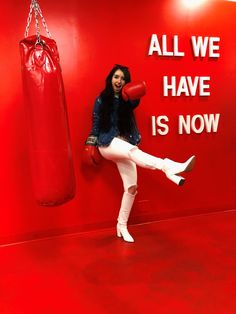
(184, 265)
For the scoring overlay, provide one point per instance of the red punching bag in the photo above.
(50, 149)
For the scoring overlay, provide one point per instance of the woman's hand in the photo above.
(134, 90)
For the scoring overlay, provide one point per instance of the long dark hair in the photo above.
(124, 111)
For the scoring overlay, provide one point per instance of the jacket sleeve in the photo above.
(134, 103)
(96, 117)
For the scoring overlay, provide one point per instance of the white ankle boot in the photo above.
(125, 209)
(123, 232)
(172, 169)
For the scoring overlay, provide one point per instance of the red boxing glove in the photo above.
(134, 90)
(91, 154)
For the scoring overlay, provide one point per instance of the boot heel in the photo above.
(118, 232)
(176, 179)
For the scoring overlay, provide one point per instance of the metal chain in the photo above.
(35, 4)
(28, 21)
(37, 12)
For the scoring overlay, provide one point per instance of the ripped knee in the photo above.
(132, 189)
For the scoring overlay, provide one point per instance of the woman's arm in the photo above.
(96, 117)
(134, 103)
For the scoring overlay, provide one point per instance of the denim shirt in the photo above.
(105, 138)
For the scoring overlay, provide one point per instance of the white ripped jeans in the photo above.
(127, 156)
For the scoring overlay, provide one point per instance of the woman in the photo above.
(117, 137)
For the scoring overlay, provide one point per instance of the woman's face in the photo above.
(118, 81)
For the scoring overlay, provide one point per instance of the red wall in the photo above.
(91, 37)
